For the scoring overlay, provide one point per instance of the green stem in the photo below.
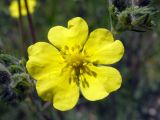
(110, 16)
(133, 5)
(32, 31)
(19, 10)
(21, 25)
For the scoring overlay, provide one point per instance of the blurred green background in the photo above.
(139, 96)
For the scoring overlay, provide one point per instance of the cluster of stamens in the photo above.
(77, 64)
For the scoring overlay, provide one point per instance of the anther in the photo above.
(66, 47)
(72, 49)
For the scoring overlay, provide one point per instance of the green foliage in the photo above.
(139, 96)
(15, 82)
(134, 18)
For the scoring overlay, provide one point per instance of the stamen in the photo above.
(86, 83)
(66, 47)
(76, 65)
(72, 49)
(83, 81)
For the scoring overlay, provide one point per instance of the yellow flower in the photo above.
(75, 62)
(14, 9)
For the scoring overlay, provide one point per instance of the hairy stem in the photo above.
(21, 25)
(111, 24)
(32, 31)
(133, 5)
(110, 17)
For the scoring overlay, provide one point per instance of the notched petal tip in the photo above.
(102, 49)
(74, 34)
(53, 31)
(34, 48)
(102, 33)
(77, 20)
(108, 79)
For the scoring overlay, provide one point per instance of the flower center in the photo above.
(73, 57)
(75, 60)
(76, 64)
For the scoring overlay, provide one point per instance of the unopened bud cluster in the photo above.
(14, 82)
(134, 15)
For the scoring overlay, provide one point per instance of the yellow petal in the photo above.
(102, 49)
(14, 10)
(98, 86)
(63, 93)
(73, 36)
(66, 97)
(53, 81)
(44, 60)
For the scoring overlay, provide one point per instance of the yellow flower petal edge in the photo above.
(75, 35)
(102, 49)
(98, 86)
(14, 10)
(40, 63)
(59, 90)
(74, 63)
